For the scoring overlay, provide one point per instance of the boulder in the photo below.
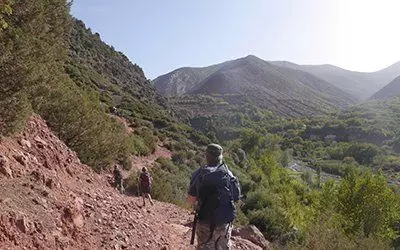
(252, 234)
(25, 144)
(73, 213)
(21, 159)
(242, 244)
(5, 167)
(23, 225)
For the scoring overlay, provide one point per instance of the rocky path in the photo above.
(148, 161)
(49, 200)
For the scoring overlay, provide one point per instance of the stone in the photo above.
(25, 144)
(5, 167)
(89, 206)
(73, 213)
(37, 176)
(49, 183)
(5, 200)
(252, 234)
(40, 201)
(47, 165)
(40, 142)
(23, 225)
(21, 159)
(78, 220)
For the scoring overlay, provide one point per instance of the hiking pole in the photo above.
(194, 228)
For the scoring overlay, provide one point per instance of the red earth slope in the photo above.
(49, 200)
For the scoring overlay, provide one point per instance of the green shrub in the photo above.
(14, 112)
(140, 146)
(127, 162)
(179, 157)
(131, 183)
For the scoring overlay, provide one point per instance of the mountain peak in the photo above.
(257, 82)
(252, 57)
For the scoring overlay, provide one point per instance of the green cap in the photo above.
(214, 149)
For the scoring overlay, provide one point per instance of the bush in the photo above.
(326, 234)
(132, 184)
(363, 153)
(14, 112)
(127, 163)
(170, 184)
(32, 48)
(274, 224)
(147, 138)
(179, 157)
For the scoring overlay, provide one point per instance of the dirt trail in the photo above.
(138, 162)
(127, 125)
(49, 200)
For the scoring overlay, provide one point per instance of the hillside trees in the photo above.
(367, 206)
(33, 48)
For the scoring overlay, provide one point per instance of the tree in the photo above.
(367, 206)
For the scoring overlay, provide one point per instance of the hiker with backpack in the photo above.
(145, 182)
(213, 191)
(118, 179)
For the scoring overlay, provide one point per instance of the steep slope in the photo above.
(254, 81)
(94, 65)
(49, 200)
(392, 89)
(182, 80)
(359, 84)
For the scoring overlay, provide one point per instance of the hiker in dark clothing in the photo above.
(213, 191)
(145, 182)
(118, 179)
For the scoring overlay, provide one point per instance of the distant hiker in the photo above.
(213, 191)
(118, 179)
(114, 111)
(145, 182)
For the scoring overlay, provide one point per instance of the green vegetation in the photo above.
(304, 209)
(34, 46)
(52, 65)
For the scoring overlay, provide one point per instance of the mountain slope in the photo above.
(94, 65)
(359, 84)
(252, 80)
(49, 200)
(182, 80)
(392, 89)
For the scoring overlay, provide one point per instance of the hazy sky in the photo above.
(162, 35)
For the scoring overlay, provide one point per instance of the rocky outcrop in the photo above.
(252, 234)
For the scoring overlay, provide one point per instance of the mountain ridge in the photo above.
(361, 85)
(260, 83)
(392, 89)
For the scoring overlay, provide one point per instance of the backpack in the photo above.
(145, 180)
(117, 174)
(218, 190)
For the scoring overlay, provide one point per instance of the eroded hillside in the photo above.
(49, 200)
